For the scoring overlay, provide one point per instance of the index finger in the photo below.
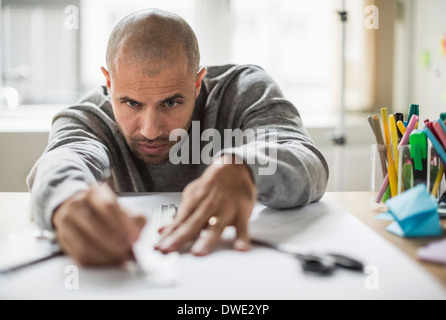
(187, 207)
(188, 229)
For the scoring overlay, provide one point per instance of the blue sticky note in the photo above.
(415, 214)
(386, 216)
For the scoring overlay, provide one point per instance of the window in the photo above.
(295, 41)
(39, 55)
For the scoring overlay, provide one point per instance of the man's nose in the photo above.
(150, 124)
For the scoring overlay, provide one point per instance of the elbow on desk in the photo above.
(293, 201)
(298, 191)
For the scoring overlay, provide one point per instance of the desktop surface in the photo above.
(343, 221)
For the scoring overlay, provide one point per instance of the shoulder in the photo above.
(91, 114)
(240, 80)
(94, 104)
(232, 71)
(98, 96)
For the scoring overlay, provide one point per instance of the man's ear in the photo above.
(200, 75)
(107, 78)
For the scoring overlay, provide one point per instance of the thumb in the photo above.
(140, 222)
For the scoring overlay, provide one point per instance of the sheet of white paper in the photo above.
(24, 247)
(261, 273)
(157, 269)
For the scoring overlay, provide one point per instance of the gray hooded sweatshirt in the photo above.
(85, 142)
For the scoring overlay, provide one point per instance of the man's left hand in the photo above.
(223, 196)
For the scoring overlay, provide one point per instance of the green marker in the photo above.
(386, 195)
(443, 116)
(418, 148)
(418, 152)
(407, 176)
(414, 109)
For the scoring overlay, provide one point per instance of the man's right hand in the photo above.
(95, 230)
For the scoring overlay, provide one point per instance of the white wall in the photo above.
(19, 152)
(23, 138)
(428, 82)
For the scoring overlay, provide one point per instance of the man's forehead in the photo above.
(151, 65)
(139, 86)
(176, 70)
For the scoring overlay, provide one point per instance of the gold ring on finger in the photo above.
(216, 222)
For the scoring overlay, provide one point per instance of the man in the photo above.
(155, 87)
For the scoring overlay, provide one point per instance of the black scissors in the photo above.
(318, 263)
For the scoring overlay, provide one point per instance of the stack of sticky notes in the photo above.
(434, 252)
(415, 214)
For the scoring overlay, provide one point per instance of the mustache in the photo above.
(143, 140)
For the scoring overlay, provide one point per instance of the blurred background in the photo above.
(394, 55)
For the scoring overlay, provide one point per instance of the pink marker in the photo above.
(440, 133)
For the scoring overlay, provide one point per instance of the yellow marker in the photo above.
(393, 181)
(394, 139)
(385, 118)
(438, 180)
(401, 126)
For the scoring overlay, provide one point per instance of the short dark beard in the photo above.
(149, 159)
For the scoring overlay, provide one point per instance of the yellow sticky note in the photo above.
(425, 59)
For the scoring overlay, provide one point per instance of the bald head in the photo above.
(154, 39)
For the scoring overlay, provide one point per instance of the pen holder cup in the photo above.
(408, 172)
(436, 178)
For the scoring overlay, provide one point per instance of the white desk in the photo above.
(261, 273)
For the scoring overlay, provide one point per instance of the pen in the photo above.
(394, 139)
(430, 125)
(376, 128)
(386, 196)
(401, 127)
(399, 117)
(107, 179)
(438, 180)
(442, 126)
(414, 109)
(370, 120)
(435, 143)
(404, 141)
(441, 135)
(391, 165)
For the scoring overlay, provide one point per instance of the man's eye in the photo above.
(171, 104)
(132, 103)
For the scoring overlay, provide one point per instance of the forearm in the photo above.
(57, 176)
(286, 175)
